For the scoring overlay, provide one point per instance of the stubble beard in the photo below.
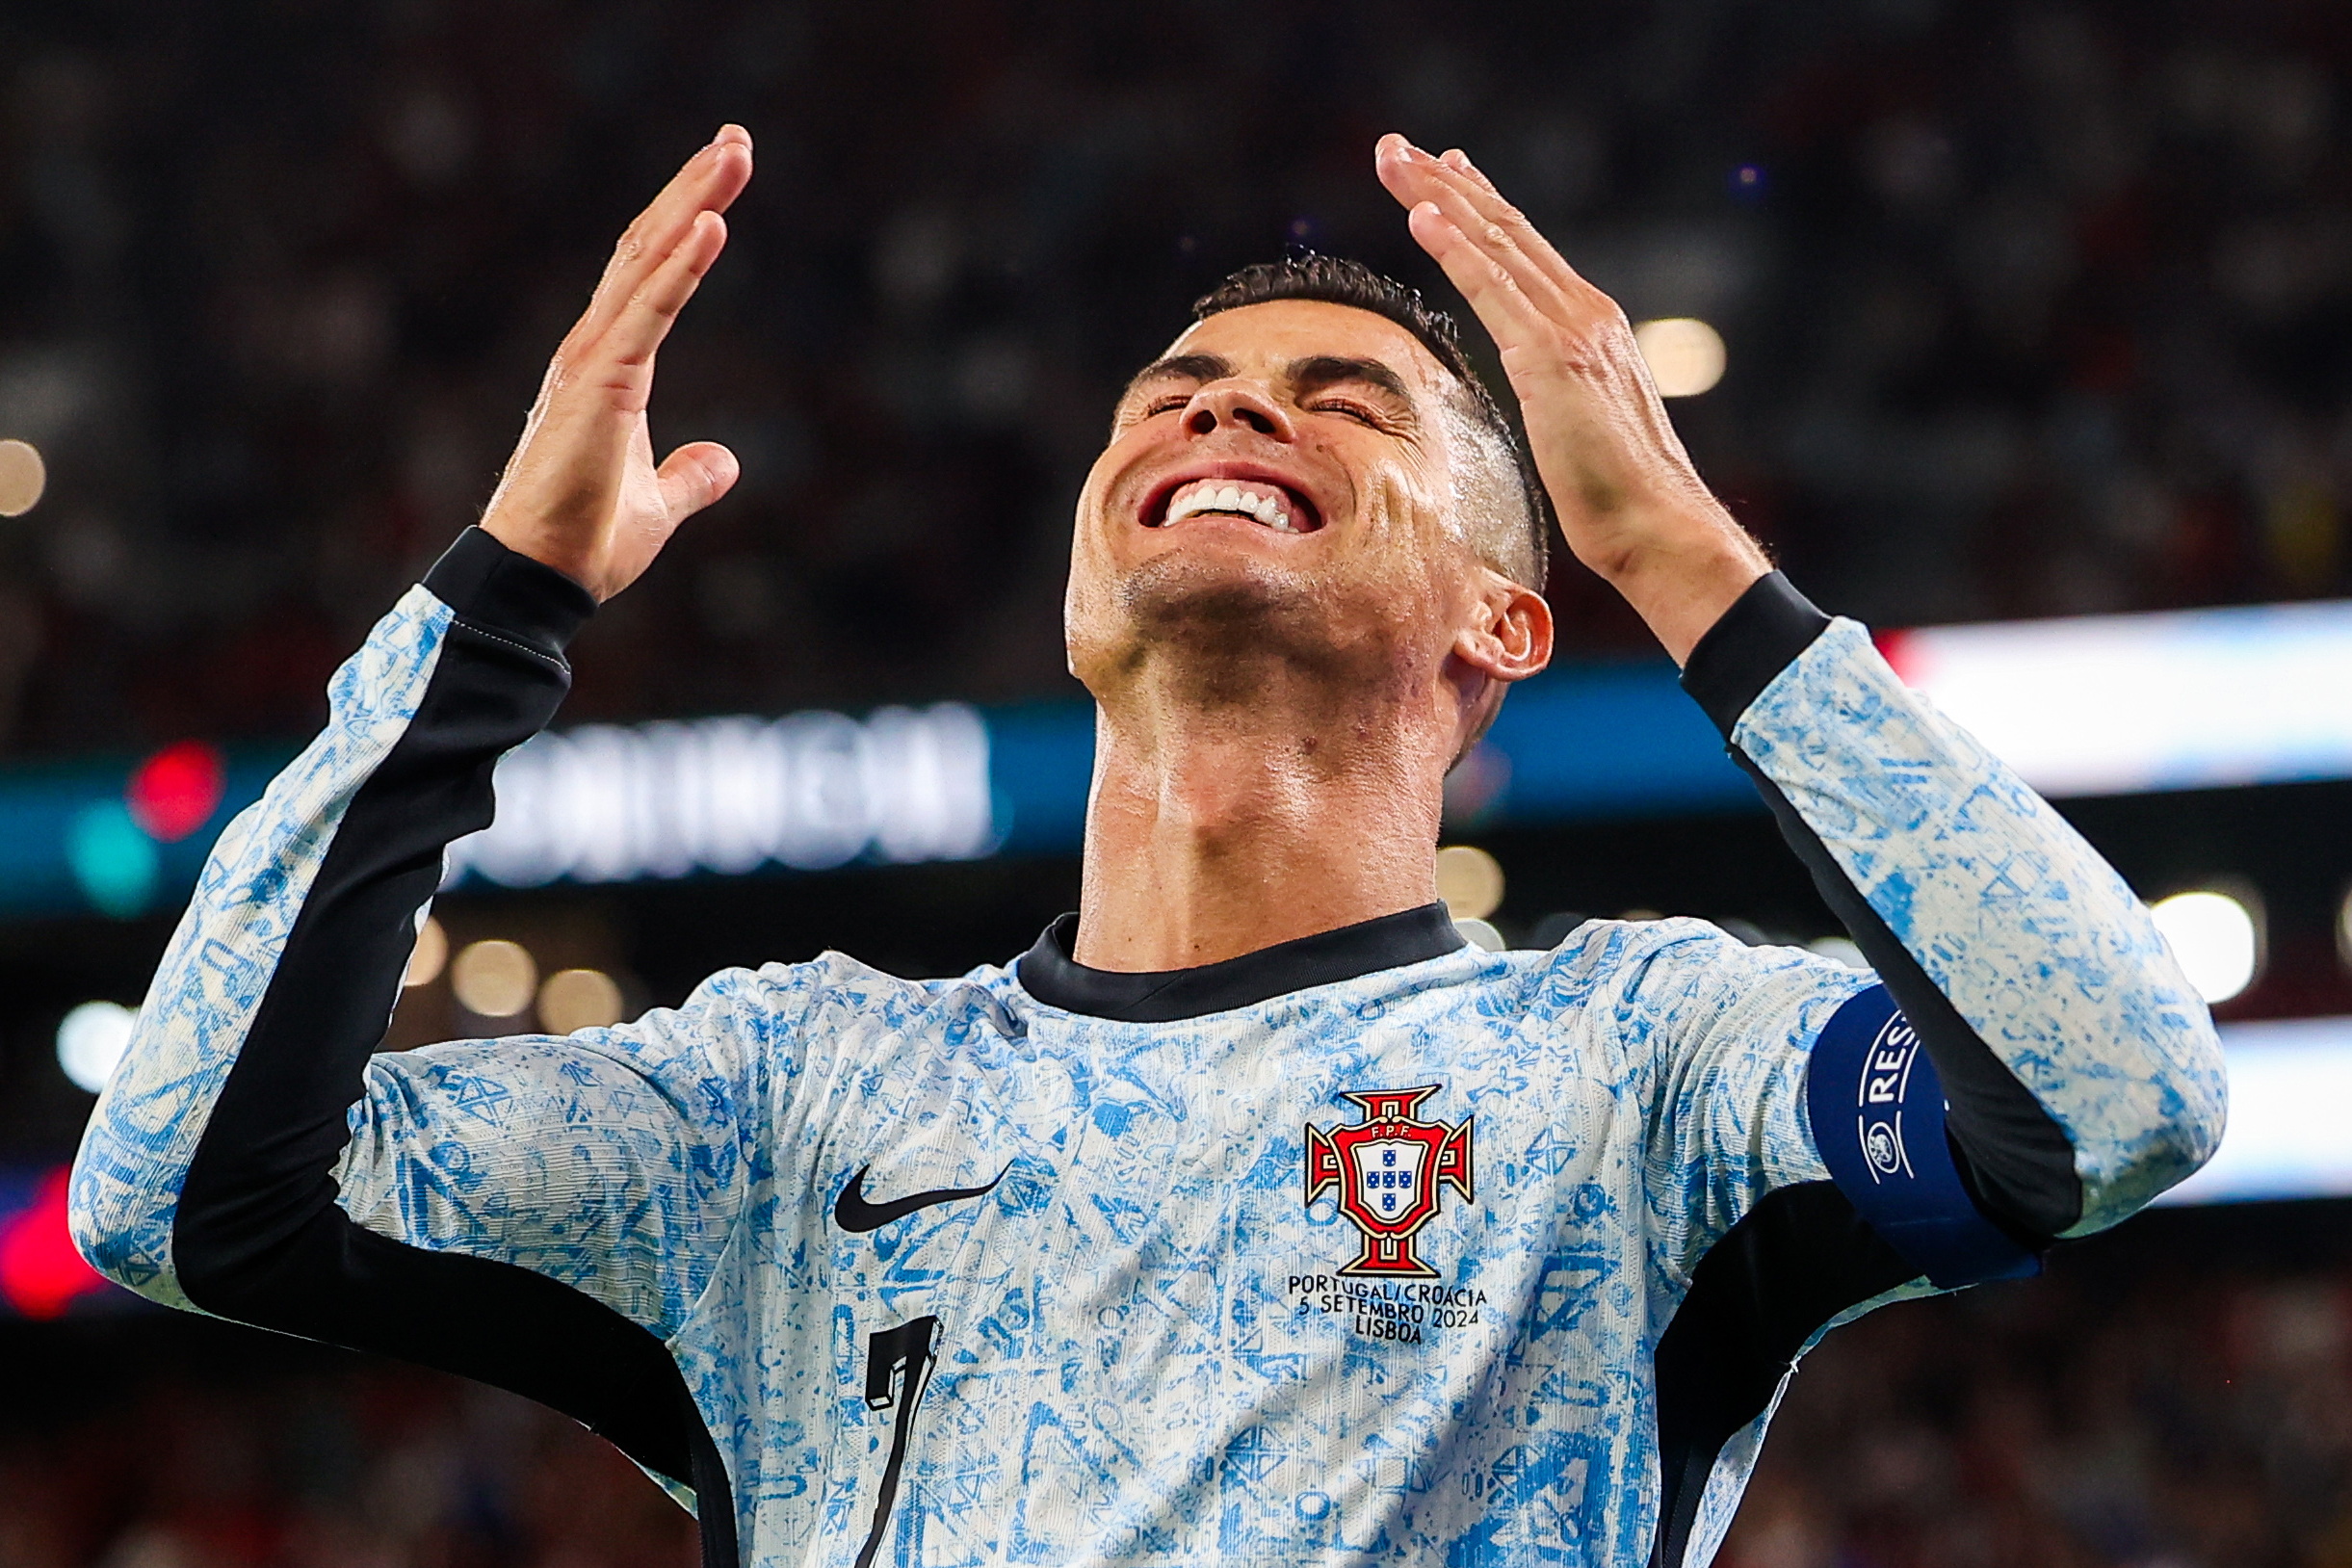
(1217, 637)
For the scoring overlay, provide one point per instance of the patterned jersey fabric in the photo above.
(1473, 1258)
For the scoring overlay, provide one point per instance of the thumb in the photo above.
(695, 474)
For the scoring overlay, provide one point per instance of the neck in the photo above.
(1219, 829)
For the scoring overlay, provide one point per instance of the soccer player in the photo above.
(1250, 1217)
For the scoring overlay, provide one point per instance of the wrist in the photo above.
(547, 548)
(498, 588)
(1682, 586)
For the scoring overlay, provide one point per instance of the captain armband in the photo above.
(1877, 1110)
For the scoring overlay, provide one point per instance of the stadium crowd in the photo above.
(2196, 1413)
(288, 1459)
(2032, 307)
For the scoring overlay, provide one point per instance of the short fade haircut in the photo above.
(1520, 548)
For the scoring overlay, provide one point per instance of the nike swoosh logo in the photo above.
(854, 1215)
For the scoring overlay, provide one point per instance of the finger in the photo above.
(645, 319)
(1452, 170)
(709, 182)
(1392, 164)
(1455, 159)
(1495, 298)
(694, 476)
(1454, 165)
(1413, 176)
(1508, 292)
(712, 178)
(1580, 292)
(1404, 170)
(1498, 225)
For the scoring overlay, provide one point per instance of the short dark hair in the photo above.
(1340, 281)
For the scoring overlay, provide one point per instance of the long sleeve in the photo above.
(208, 1177)
(2024, 1061)
(2082, 1071)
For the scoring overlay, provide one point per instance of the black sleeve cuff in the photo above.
(1759, 636)
(503, 592)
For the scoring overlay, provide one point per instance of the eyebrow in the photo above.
(1304, 374)
(1331, 369)
(1183, 367)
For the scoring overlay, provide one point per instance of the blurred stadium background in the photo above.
(2021, 330)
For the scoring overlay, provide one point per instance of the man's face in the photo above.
(1281, 484)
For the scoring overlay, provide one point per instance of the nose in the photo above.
(1235, 405)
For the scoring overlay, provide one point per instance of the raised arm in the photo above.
(518, 1210)
(2030, 1062)
(2082, 1070)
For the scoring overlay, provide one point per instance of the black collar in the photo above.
(1048, 972)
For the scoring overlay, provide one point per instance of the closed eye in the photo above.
(1353, 410)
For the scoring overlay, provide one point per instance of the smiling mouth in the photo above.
(1258, 500)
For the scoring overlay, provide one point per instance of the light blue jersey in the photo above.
(1374, 1247)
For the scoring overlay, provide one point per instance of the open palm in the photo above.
(582, 493)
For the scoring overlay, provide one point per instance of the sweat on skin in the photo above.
(1277, 709)
(1065, 1318)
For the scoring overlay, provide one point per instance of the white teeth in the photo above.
(1268, 509)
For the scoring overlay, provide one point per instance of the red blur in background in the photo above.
(41, 1273)
(176, 791)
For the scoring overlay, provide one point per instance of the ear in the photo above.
(1510, 636)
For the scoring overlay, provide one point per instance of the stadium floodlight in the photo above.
(494, 978)
(2216, 938)
(429, 957)
(23, 476)
(1469, 880)
(1839, 949)
(91, 1039)
(577, 998)
(2343, 929)
(1685, 356)
(2179, 700)
(2291, 1100)
(1479, 934)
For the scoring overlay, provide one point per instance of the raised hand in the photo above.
(1630, 504)
(582, 492)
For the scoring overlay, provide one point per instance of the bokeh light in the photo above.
(40, 1272)
(1470, 881)
(2216, 938)
(574, 998)
(429, 957)
(494, 978)
(23, 476)
(1480, 934)
(1839, 950)
(176, 791)
(91, 1040)
(1685, 355)
(112, 859)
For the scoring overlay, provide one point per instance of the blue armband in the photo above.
(1877, 1110)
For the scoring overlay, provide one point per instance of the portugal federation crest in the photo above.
(1388, 1170)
